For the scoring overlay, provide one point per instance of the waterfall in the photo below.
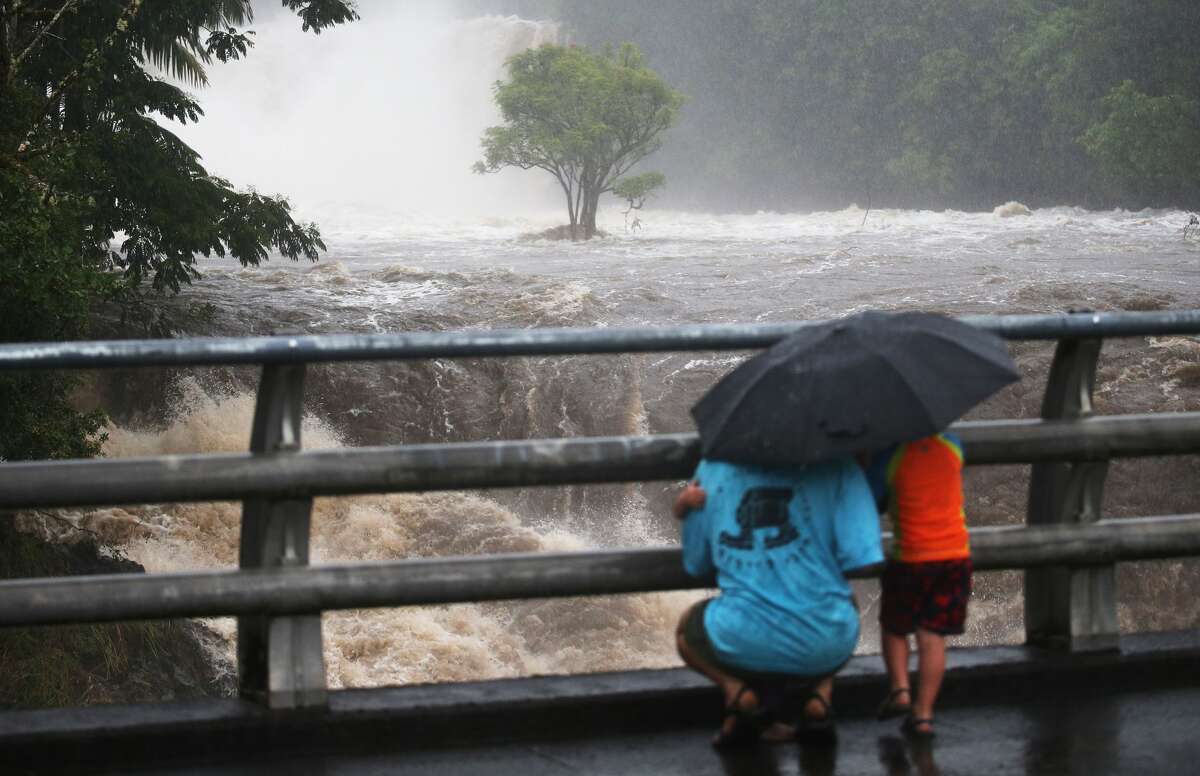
(383, 115)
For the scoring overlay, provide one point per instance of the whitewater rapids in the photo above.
(416, 243)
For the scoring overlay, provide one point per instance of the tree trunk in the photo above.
(568, 191)
(587, 219)
(577, 225)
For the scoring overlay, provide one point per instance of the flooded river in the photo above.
(393, 267)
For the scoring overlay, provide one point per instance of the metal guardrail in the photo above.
(472, 465)
(313, 589)
(1067, 550)
(305, 349)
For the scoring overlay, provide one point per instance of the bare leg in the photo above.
(932, 667)
(895, 658)
(730, 685)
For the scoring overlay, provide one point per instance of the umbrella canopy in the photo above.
(855, 384)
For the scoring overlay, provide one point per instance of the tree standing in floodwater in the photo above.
(585, 117)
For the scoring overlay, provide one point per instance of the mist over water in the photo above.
(371, 128)
(382, 116)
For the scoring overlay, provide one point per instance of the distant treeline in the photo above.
(962, 103)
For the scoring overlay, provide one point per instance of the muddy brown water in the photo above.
(387, 274)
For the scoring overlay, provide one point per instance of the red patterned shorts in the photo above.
(931, 596)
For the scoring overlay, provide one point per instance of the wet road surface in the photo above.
(1092, 733)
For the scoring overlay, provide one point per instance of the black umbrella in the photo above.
(850, 385)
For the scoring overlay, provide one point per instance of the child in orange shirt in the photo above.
(927, 581)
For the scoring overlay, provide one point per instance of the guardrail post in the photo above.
(1073, 609)
(280, 662)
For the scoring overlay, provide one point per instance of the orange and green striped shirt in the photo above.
(921, 485)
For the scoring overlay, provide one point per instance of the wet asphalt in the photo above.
(1088, 733)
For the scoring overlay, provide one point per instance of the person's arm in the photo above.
(692, 508)
(691, 497)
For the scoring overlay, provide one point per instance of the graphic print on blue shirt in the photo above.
(762, 508)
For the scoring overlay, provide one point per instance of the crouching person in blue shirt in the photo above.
(780, 542)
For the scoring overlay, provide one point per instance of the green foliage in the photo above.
(1150, 143)
(922, 102)
(586, 117)
(82, 161)
(320, 14)
(637, 188)
(46, 284)
(39, 420)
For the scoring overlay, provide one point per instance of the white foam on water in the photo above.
(1011, 210)
(371, 128)
(397, 646)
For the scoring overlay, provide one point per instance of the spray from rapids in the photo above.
(372, 129)
(383, 115)
(398, 646)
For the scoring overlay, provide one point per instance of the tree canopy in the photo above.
(586, 117)
(635, 190)
(960, 103)
(96, 195)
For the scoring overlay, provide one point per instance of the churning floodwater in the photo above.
(414, 247)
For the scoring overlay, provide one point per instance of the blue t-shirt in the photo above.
(779, 541)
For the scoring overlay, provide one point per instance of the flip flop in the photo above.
(891, 708)
(748, 724)
(912, 727)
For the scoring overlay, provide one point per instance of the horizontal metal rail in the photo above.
(532, 342)
(1091, 438)
(476, 465)
(289, 591)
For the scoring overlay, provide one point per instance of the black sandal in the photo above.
(816, 730)
(912, 727)
(891, 708)
(748, 724)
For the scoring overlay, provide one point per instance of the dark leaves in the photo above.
(228, 44)
(83, 160)
(320, 14)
